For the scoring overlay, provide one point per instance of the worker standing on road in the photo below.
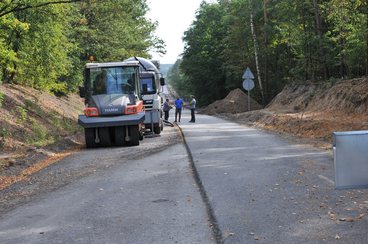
(178, 108)
(192, 109)
(166, 108)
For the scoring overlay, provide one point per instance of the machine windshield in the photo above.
(148, 85)
(112, 80)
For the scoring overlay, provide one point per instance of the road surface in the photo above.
(153, 199)
(227, 183)
(263, 188)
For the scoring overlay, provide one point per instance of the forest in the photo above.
(45, 44)
(281, 41)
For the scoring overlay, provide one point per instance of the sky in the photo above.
(174, 18)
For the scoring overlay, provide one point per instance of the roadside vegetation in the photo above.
(293, 40)
(34, 119)
(44, 44)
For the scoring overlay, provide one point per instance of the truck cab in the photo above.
(151, 82)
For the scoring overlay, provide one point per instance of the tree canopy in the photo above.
(45, 44)
(297, 40)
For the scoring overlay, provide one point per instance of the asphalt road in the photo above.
(150, 199)
(236, 185)
(264, 188)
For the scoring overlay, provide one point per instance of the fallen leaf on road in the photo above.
(332, 215)
(361, 216)
(350, 219)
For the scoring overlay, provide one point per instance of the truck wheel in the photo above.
(105, 138)
(119, 136)
(157, 129)
(134, 135)
(89, 134)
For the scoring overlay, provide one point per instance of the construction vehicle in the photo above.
(114, 112)
(151, 82)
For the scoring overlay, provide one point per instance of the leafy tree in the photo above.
(298, 40)
(178, 80)
(8, 56)
(11, 6)
(348, 34)
(202, 63)
(116, 29)
(45, 44)
(43, 50)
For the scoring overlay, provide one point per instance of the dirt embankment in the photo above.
(35, 125)
(312, 110)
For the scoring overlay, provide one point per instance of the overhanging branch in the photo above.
(28, 6)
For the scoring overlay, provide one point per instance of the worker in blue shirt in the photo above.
(178, 108)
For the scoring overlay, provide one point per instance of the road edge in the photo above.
(216, 231)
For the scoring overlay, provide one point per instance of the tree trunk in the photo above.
(321, 50)
(256, 52)
(342, 62)
(305, 49)
(265, 15)
(366, 35)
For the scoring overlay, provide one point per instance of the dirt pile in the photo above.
(235, 102)
(313, 110)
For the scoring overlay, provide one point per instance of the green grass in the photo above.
(23, 114)
(1, 99)
(33, 106)
(40, 136)
(4, 133)
(63, 124)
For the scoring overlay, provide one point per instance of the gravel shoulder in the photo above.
(75, 164)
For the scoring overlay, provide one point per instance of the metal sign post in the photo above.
(248, 83)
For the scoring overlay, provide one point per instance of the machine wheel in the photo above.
(89, 134)
(142, 130)
(119, 136)
(134, 135)
(104, 133)
(141, 135)
(157, 129)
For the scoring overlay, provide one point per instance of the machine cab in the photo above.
(111, 87)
